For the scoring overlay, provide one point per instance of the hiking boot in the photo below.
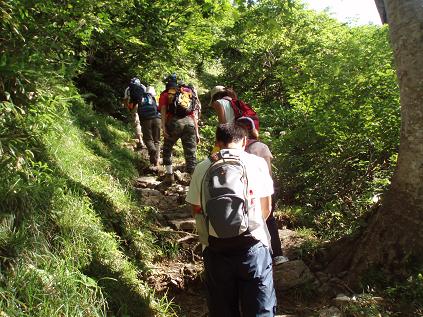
(168, 179)
(154, 168)
(182, 178)
(140, 146)
(280, 259)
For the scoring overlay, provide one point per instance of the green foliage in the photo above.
(69, 219)
(365, 305)
(327, 94)
(151, 39)
(409, 294)
(402, 294)
(309, 243)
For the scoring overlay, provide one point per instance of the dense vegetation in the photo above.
(328, 95)
(72, 233)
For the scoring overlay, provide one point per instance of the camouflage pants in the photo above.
(151, 137)
(183, 129)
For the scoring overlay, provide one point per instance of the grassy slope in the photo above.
(74, 240)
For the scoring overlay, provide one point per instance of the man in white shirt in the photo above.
(238, 268)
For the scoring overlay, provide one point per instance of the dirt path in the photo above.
(180, 277)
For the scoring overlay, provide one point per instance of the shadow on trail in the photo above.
(100, 137)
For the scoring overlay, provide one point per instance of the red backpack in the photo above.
(241, 109)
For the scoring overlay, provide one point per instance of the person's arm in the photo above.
(266, 206)
(197, 103)
(265, 188)
(219, 111)
(125, 102)
(193, 194)
(126, 98)
(195, 209)
(268, 160)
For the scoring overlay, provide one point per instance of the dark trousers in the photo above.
(243, 279)
(275, 241)
(272, 226)
(151, 137)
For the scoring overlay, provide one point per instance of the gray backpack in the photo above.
(224, 196)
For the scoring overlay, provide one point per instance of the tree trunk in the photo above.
(380, 5)
(393, 238)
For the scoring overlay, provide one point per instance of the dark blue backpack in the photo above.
(136, 90)
(147, 107)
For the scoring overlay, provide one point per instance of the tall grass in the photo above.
(74, 238)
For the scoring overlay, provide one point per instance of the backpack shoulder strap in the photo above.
(236, 107)
(247, 148)
(214, 157)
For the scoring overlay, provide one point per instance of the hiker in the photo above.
(131, 103)
(149, 117)
(229, 107)
(230, 194)
(220, 101)
(178, 121)
(256, 147)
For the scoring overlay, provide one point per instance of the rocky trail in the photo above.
(300, 292)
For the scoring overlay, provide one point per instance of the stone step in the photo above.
(183, 224)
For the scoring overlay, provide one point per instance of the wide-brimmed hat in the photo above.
(215, 90)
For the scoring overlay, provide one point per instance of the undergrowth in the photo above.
(75, 240)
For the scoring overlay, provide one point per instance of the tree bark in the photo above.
(393, 238)
(380, 5)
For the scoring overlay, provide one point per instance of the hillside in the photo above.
(74, 237)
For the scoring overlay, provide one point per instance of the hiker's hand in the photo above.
(198, 138)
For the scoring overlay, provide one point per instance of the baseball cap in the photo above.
(135, 81)
(247, 122)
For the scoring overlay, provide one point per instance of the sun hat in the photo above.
(215, 90)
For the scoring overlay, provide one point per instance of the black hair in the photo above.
(230, 132)
(219, 95)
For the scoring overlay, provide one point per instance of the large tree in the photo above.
(393, 238)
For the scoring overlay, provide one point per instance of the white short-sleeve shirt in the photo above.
(227, 108)
(259, 182)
